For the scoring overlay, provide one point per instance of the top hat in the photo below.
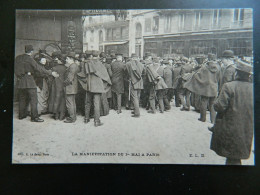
(228, 54)
(28, 48)
(244, 67)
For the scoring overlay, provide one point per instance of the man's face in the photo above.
(119, 58)
(43, 61)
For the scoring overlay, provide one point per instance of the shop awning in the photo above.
(115, 43)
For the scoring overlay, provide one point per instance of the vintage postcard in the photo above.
(151, 86)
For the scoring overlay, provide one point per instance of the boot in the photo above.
(98, 123)
(86, 120)
(202, 116)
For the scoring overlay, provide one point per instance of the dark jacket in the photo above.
(175, 77)
(205, 81)
(25, 64)
(117, 78)
(166, 74)
(94, 77)
(233, 132)
(71, 80)
(135, 70)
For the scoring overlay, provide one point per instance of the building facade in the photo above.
(191, 32)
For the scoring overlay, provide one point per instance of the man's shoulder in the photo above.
(23, 57)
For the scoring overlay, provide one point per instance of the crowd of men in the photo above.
(92, 83)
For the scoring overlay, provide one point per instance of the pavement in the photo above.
(174, 137)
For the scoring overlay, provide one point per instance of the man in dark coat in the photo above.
(233, 132)
(165, 72)
(107, 63)
(117, 80)
(184, 93)
(71, 87)
(205, 83)
(227, 68)
(145, 92)
(134, 70)
(57, 104)
(157, 86)
(175, 82)
(95, 79)
(25, 68)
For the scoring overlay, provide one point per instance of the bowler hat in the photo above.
(228, 54)
(28, 48)
(244, 67)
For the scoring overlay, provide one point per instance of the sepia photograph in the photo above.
(137, 86)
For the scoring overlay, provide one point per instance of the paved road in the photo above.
(174, 137)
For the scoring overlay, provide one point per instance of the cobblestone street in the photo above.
(174, 137)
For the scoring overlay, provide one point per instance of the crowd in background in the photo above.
(92, 83)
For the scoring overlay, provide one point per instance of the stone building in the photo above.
(191, 32)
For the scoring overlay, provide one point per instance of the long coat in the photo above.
(135, 70)
(23, 65)
(205, 81)
(175, 77)
(71, 80)
(233, 131)
(57, 89)
(166, 74)
(117, 78)
(155, 78)
(227, 74)
(94, 77)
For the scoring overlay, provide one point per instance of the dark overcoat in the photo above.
(25, 64)
(57, 88)
(233, 131)
(117, 78)
(134, 70)
(166, 74)
(205, 81)
(71, 80)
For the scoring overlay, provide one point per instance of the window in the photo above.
(203, 47)
(155, 24)
(113, 34)
(123, 33)
(109, 34)
(167, 23)
(172, 47)
(188, 18)
(100, 36)
(197, 20)
(92, 36)
(148, 24)
(90, 20)
(215, 18)
(138, 31)
(204, 20)
(241, 46)
(238, 16)
(151, 47)
(181, 22)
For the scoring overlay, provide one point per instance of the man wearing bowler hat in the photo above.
(25, 68)
(117, 80)
(233, 131)
(134, 70)
(71, 87)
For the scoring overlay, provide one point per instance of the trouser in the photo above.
(166, 100)
(176, 97)
(145, 96)
(231, 161)
(95, 98)
(59, 104)
(71, 106)
(117, 97)
(135, 95)
(170, 94)
(27, 96)
(159, 94)
(205, 101)
(184, 96)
